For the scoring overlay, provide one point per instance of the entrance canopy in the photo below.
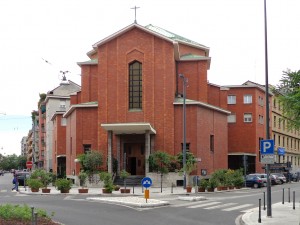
(128, 128)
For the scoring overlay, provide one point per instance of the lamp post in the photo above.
(184, 81)
(269, 204)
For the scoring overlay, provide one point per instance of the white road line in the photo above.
(203, 205)
(187, 204)
(220, 206)
(237, 207)
(249, 210)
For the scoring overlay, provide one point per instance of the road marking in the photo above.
(186, 204)
(237, 207)
(249, 210)
(203, 205)
(221, 206)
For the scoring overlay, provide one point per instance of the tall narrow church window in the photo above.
(135, 85)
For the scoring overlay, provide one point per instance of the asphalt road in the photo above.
(218, 209)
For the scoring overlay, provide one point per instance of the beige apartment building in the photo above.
(288, 139)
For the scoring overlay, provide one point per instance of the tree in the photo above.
(91, 162)
(160, 161)
(288, 93)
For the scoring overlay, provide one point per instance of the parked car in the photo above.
(274, 179)
(252, 180)
(21, 176)
(281, 177)
(262, 176)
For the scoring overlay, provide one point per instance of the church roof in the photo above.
(154, 30)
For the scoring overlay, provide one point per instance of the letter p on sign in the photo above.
(267, 147)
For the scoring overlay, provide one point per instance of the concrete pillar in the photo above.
(147, 150)
(109, 152)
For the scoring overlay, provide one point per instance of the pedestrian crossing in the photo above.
(211, 205)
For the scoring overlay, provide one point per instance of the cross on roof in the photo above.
(135, 8)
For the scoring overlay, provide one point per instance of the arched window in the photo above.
(135, 85)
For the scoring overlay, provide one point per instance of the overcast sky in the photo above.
(63, 31)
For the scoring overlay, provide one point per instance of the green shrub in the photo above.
(34, 183)
(203, 183)
(63, 184)
(82, 176)
(24, 213)
(107, 180)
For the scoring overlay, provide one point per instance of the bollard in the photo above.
(172, 188)
(264, 201)
(289, 194)
(282, 195)
(32, 215)
(132, 189)
(259, 211)
(142, 189)
(35, 218)
(294, 200)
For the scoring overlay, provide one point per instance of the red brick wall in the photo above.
(244, 137)
(157, 58)
(200, 124)
(59, 140)
(82, 129)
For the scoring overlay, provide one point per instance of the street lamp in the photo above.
(184, 81)
(269, 204)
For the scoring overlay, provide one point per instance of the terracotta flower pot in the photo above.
(35, 189)
(64, 191)
(105, 191)
(188, 189)
(83, 190)
(210, 189)
(125, 191)
(201, 189)
(46, 190)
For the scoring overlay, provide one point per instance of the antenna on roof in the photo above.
(135, 8)
(64, 79)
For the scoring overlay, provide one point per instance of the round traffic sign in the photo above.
(146, 182)
(29, 164)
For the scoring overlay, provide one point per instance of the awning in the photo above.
(129, 128)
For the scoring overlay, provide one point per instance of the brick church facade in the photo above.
(131, 102)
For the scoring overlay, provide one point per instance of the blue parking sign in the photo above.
(267, 147)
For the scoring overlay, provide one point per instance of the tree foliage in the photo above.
(160, 161)
(12, 162)
(288, 93)
(91, 161)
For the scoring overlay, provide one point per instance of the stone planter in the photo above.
(46, 190)
(125, 191)
(83, 190)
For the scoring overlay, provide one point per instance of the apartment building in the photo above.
(246, 126)
(286, 139)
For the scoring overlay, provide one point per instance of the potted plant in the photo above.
(108, 183)
(219, 176)
(46, 179)
(63, 185)
(212, 184)
(82, 176)
(124, 174)
(34, 183)
(188, 168)
(203, 185)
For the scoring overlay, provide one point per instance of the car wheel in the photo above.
(255, 185)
